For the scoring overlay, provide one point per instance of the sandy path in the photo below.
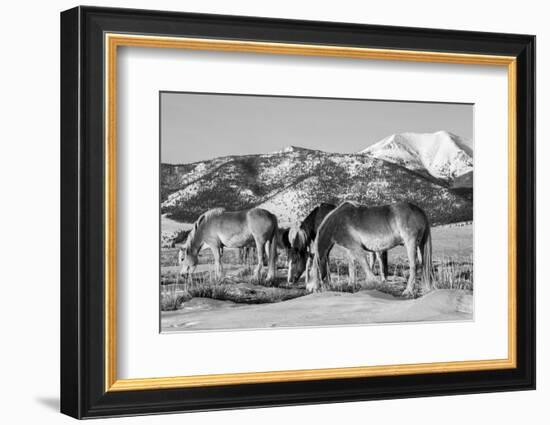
(322, 309)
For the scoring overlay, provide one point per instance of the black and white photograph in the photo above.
(281, 212)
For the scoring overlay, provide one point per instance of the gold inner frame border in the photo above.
(112, 41)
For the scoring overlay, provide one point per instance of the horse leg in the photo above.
(260, 254)
(308, 267)
(289, 275)
(355, 254)
(242, 255)
(252, 252)
(383, 264)
(411, 253)
(267, 248)
(272, 260)
(365, 261)
(220, 265)
(218, 252)
(316, 280)
(352, 276)
(371, 259)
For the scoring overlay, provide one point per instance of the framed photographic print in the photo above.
(261, 212)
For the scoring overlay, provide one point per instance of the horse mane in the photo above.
(309, 222)
(298, 238)
(338, 208)
(203, 219)
(307, 231)
(283, 237)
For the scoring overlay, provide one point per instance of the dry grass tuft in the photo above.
(453, 274)
(240, 286)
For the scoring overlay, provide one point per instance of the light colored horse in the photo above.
(361, 229)
(218, 228)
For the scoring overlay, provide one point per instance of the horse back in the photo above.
(382, 227)
(261, 221)
(229, 228)
(375, 222)
(409, 216)
(240, 228)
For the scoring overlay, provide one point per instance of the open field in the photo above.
(202, 303)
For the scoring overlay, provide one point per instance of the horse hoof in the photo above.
(407, 294)
(311, 288)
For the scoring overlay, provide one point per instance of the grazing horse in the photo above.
(301, 253)
(296, 260)
(301, 241)
(361, 229)
(218, 228)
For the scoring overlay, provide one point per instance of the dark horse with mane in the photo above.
(301, 241)
(361, 230)
(300, 254)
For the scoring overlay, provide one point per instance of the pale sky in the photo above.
(199, 126)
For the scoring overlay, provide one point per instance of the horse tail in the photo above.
(427, 265)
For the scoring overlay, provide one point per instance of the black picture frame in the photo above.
(83, 392)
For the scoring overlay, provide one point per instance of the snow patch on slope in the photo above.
(294, 149)
(442, 155)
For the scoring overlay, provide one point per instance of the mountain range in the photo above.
(442, 155)
(433, 170)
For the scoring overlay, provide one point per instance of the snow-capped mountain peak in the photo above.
(442, 155)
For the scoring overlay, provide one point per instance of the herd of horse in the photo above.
(365, 232)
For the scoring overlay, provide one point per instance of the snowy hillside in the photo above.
(291, 182)
(441, 155)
